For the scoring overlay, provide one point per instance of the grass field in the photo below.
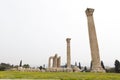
(59, 75)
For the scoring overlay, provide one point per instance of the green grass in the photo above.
(59, 75)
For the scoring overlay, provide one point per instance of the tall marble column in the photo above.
(96, 65)
(68, 53)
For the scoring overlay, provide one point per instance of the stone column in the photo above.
(96, 65)
(49, 62)
(58, 62)
(68, 53)
(55, 61)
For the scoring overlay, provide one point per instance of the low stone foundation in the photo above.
(63, 69)
(75, 69)
(29, 69)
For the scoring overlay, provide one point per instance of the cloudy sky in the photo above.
(34, 30)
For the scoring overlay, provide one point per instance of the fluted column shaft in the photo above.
(68, 53)
(58, 62)
(96, 65)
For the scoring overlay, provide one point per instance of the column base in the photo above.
(98, 70)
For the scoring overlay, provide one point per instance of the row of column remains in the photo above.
(96, 66)
(56, 61)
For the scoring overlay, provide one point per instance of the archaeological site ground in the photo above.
(56, 71)
(59, 75)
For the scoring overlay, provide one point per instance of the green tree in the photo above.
(26, 66)
(40, 67)
(85, 69)
(117, 66)
(79, 65)
(20, 63)
(75, 63)
(15, 66)
(90, 65)
(102, 64)
(65, 65)
(43, 65)
(5, 66)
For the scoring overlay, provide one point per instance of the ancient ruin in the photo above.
(96, 65)
(55, 60)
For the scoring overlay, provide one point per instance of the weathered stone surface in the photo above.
(68, 53)
(56, 61)
(28, 69)
(96, 65)
(49, 61)
(76, 69)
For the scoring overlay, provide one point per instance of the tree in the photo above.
(117, 66)
(75, 63)
(79, 65)
(5, 66)
(15, 66)
(102, 64)
(26, 66)
(91, 65)
(20, 63)
(40, 67)
(2, 68)
(65, 65)
(85, 69)
(43, 66)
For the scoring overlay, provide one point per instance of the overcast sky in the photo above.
(34, 30)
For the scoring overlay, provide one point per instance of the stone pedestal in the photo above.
(96, 65)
